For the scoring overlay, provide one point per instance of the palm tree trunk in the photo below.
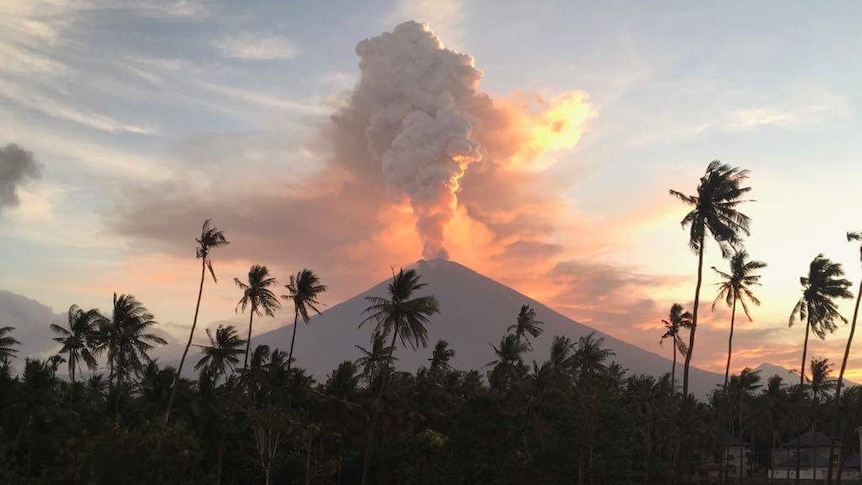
(730, 342)
(673, 370)
(292, 339)
(248, 341)
(840, 384)
(366, 462)
(71, 378)
(801, 382)
(804, 350)
(188, 344)
(694, 317)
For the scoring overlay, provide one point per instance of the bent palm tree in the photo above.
(526, 324)
(677, 320)
(714, 212)
(210, 238)
(7, 344)
(256, 293)
(851, 237)
(736, 288)
(817, 306)
(222, 354)
(303, 291)
(76, 339)
(405, 317)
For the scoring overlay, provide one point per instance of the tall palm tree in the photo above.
(677, 320)
(222, 354)
(851, 237)
(303, 291)
(77, 339)
(210, 239)
(817, 306)
(526, 324)
(7, 344)
(736, 287)
(714, 212)
(126, 337)
(256, 293)
(405, 316)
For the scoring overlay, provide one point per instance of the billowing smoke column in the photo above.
(411, 96)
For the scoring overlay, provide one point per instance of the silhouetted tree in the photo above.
(526, 324)
(736, 288)
(77, 340)
(126, 338)
(817, 306)
(715, 213)
(257, 294)
(7, 344)
(209, 239)
(221, 356)
(405, 316)
(303, 291)
(677, 320)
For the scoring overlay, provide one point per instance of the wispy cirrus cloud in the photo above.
(58, 109)
(257, 47)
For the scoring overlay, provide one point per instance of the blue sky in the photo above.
(123, 101)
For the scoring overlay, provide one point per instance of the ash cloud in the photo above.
(17, 167)
(410, 104)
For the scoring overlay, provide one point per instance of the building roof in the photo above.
(809, 439)
(807, 459)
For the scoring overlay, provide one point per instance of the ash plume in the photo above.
(17, 166)
(410, 102)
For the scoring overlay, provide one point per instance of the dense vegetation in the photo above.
(253, 415)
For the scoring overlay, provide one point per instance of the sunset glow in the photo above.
(544, 167)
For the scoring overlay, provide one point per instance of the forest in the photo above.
(102, 411)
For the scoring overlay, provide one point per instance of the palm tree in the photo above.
(736, 288)
(7, 344)
(440, 357)
(210, 238)
(373, 361)
(257, 294)
(508, 365)
(77, 339)
(526, 324)
(222, 354)
(677, 320)
(126, 338)
(715, 212)
(851, 237)
(303, 291)
(405, 317)
(739, 392)
(817, 306)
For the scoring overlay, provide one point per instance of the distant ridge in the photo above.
(475, 312)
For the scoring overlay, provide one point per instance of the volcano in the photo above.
(475, 312)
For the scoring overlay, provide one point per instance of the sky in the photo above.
(126, 124)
